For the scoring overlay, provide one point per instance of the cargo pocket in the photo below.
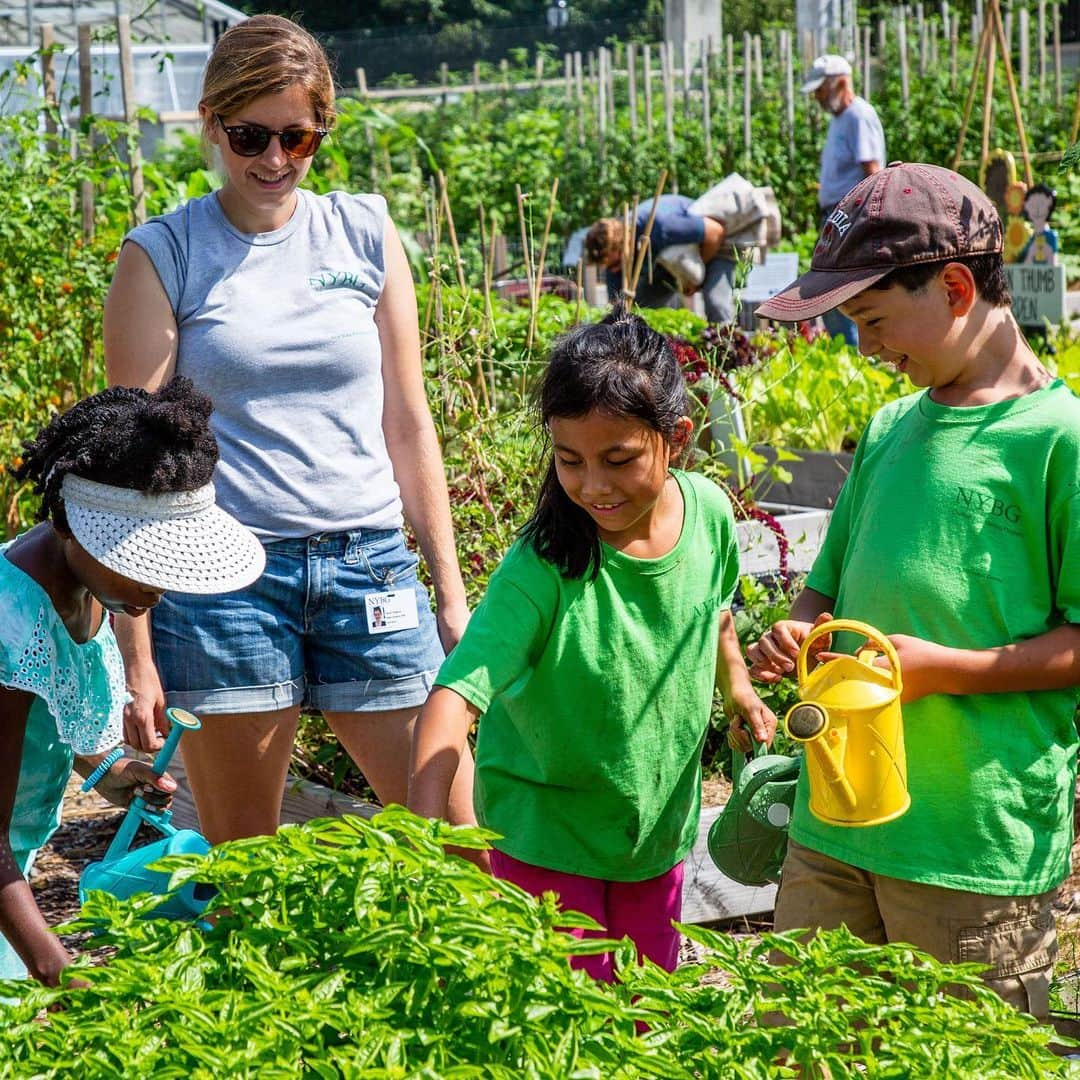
(1020, 954)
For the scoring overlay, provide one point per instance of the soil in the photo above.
(89, 825)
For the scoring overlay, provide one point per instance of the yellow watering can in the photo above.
(849, 720)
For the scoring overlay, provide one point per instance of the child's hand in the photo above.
(749, 715)
(128, 778)
(773, 656)
(921, 663)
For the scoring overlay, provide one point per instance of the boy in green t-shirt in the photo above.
(957, 534)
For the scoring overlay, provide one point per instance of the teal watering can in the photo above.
(124, 872)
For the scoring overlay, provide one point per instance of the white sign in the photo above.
(766, 279)
(1038, 292)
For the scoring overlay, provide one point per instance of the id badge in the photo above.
(389, 611)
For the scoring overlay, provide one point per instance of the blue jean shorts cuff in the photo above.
(373, 695)
(239, 699)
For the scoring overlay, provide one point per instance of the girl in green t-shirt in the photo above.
(127, 511)
(593, 658)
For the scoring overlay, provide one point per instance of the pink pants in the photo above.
(640, 910)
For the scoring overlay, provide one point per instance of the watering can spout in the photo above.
(809, 724)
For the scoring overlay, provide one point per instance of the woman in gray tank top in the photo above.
(296, 314)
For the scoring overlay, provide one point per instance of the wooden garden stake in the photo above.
(579, 79)
(444, 82)
(867, 89)
(729, 58)
(980, 52)
(1040, 29)
(539, 70)
(601, 98)
(646, 74)
(631, 84)
(444, 202)
(901, 42)
(954, 51)
(580, 290)
(706, 105)
(1025, 52)
(526, 255)
(630, 288)
(1056, 22)
(475, 90)
(687, 75)
(131, 117)
(988, 97)
(568, 79)
(994, 16)
(669, 102)
(748, 83)
(539, 279)
(759, 69)
(86, 108)
(48, 84)
(789, 91)
(921, 28)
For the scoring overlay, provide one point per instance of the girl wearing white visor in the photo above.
(127, 511)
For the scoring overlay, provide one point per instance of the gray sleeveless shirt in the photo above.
(278, 330)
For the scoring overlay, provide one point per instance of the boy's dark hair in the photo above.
(619, 366)
(151, 442)
(988, 270)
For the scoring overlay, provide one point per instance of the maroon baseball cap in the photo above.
(899, 216)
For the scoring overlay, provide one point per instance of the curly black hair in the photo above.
(152, 442)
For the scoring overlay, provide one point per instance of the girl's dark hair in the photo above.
(619, 366)
(129, 438)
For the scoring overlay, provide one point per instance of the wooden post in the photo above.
(729, 58)
(867, 88)
(988, 97)
(444, 81)
(706, 111)
(611, 65)
(882, 34)
(748, 83)
(759, 69)
(945, 19)
(631, 84)
(86, 95)
(48, 85)
(1025, 51)
(1040, 29)
(669, 103)
(954, 50)
(980, 53)
(921, 27)
(568, 79)
(789, 86)
(1018, 114)
(127, 87)
(504, 73)
(601, 97)
(933, 46)
(476, 90)
(687, 75)
(539, 70)
(905, 84)
(579, 79)
(646, 73)
(1056, 22)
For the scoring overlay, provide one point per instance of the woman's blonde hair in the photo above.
(267, 54)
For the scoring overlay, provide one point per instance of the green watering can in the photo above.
(749, 838)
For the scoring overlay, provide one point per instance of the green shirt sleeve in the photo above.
(507, 631)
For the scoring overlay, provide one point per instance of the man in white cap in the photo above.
(854, 148)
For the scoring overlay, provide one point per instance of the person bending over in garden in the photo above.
(593, 656)
(957, 533)
(127, 511)
(672, 225)
(296, 314)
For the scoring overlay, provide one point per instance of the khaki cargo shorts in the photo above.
(1014, 935)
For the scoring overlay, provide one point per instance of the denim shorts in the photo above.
(299, 635)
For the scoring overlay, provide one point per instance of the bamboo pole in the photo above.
(748, 82)
(706, 105)
(444, 202)
(630, 288)
(969, 101)
(988, 100)
(131, 118)
(540, 263)
(1018, 116)
(526, 254)
(646, 71)
(1056, 23)
(86, 93)
(48, 84)
(487, 255)
(905, 82)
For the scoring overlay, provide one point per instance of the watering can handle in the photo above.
(858, 628)
(738, 758)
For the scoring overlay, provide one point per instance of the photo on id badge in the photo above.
(389, 611)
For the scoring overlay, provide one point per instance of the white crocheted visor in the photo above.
(179, 541)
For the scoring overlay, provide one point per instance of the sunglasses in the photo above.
(250, 140)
